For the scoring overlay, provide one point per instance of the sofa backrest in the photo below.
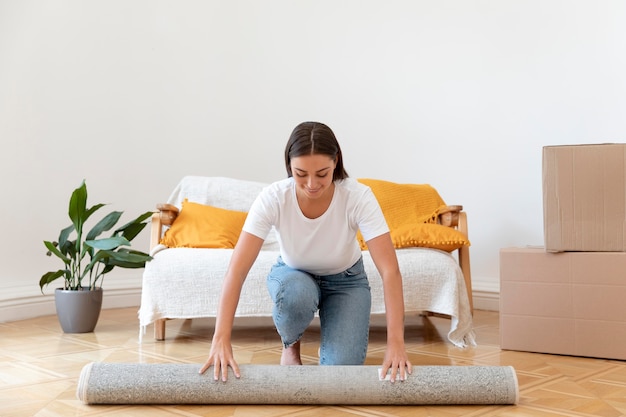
(222, 192)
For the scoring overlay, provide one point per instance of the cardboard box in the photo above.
(584, 197)
(568, 303)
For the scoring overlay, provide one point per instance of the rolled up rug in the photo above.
(141, 383)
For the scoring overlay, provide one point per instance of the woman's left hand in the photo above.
(396, 363)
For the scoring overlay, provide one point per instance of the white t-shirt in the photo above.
(323, 246)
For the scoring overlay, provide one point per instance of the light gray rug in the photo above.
(125, 383)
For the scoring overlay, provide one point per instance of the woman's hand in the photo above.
(396, 361)
(221, 357)
(384, 256)
(221, 353)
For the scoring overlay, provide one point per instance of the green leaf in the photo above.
(48, 277)
(103, 225)
(131, 229)
(128, 265)
(68, 248)
(108, 243)
(78, 207)
(93, 209)
(134, 256)
(107, 269)
(100, 256)
(128, 260)
(64, 236)
(54, 250)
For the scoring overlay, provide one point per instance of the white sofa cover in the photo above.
(185, 283)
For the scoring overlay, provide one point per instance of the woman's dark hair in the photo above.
(314, 138)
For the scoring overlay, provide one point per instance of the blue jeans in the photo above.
(344, 304)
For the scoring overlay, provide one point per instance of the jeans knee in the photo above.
(300, 301)
(296, 299)
(293, 288)
(343, 355)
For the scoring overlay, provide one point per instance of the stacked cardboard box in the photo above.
(569, 297)
(584, 198)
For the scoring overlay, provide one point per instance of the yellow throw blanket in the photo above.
(406, 203)
(408, 208)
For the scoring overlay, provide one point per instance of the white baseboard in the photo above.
(27, 302)
(27, 305)
(486, 294)
(484, 300)
(43, 305)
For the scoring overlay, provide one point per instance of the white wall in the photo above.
(132, 95)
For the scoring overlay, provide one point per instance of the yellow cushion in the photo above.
(201, 226)
(426, 235)
(411, 212)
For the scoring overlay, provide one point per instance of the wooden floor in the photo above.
(39, 368)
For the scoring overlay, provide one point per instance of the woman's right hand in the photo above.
(221, 357)
(221, 353)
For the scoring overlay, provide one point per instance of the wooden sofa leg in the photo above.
(465, 267)
(159, 329)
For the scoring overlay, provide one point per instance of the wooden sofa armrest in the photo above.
(165, 216)
(454, 216)
(449, 216)
(168, 213)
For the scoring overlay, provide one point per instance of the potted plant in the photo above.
(87, 258)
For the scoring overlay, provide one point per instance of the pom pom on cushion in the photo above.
(411, 212)
(201, 226)
(427, 235)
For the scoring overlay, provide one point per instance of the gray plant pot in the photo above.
(78, 311)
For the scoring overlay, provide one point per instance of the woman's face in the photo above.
(313, 175)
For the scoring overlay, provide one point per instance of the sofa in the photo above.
(184, 278)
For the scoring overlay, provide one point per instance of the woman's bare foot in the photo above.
(291, 355)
